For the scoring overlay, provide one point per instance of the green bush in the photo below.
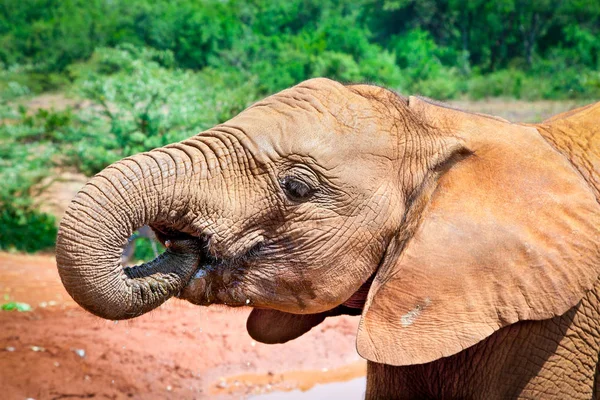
(140, 104)
(422, 70)
(339, 66)
(568, 83)
(144, 250)
(26, 229)
(505, 83)
(446, 84)
(417, 55)
(22, 173)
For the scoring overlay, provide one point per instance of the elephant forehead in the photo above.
(287, 124)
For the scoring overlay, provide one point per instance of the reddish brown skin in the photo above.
(469, 244)
(556, 358)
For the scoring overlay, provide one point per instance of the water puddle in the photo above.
(350, 390)
(347, 382)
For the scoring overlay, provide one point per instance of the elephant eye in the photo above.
(295, 189)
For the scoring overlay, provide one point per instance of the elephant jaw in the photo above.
(359, 298)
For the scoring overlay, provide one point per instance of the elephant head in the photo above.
(440, 226)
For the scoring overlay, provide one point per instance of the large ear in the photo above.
(506, 234)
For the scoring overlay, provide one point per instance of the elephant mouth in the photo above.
(217, 279)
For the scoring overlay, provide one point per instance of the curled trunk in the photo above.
(149, 188)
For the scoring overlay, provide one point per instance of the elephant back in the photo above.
(576, 134)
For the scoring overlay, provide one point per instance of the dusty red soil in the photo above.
(179, 351)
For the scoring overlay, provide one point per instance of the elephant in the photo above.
(468, 244)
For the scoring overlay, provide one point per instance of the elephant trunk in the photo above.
(152, 188)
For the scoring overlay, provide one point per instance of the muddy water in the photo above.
(350, 390)
(345, 382)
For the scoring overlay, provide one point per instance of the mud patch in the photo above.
(253, 384)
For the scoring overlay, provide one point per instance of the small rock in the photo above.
(222, 384)
(169, 388)
(56, 364)
(10, 349)
(79, 352)
(37, 348)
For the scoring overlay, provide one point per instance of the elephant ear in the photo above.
(509, 233)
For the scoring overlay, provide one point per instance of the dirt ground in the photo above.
(179, 351)
(518, 110)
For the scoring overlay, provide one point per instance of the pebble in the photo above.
(79, 352)
(222, 384)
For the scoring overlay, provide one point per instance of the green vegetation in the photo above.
(431, 46)
(154, 72)
(15, 306)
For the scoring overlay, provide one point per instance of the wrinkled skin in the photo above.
(468, 244)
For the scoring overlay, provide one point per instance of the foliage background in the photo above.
(155, 72)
